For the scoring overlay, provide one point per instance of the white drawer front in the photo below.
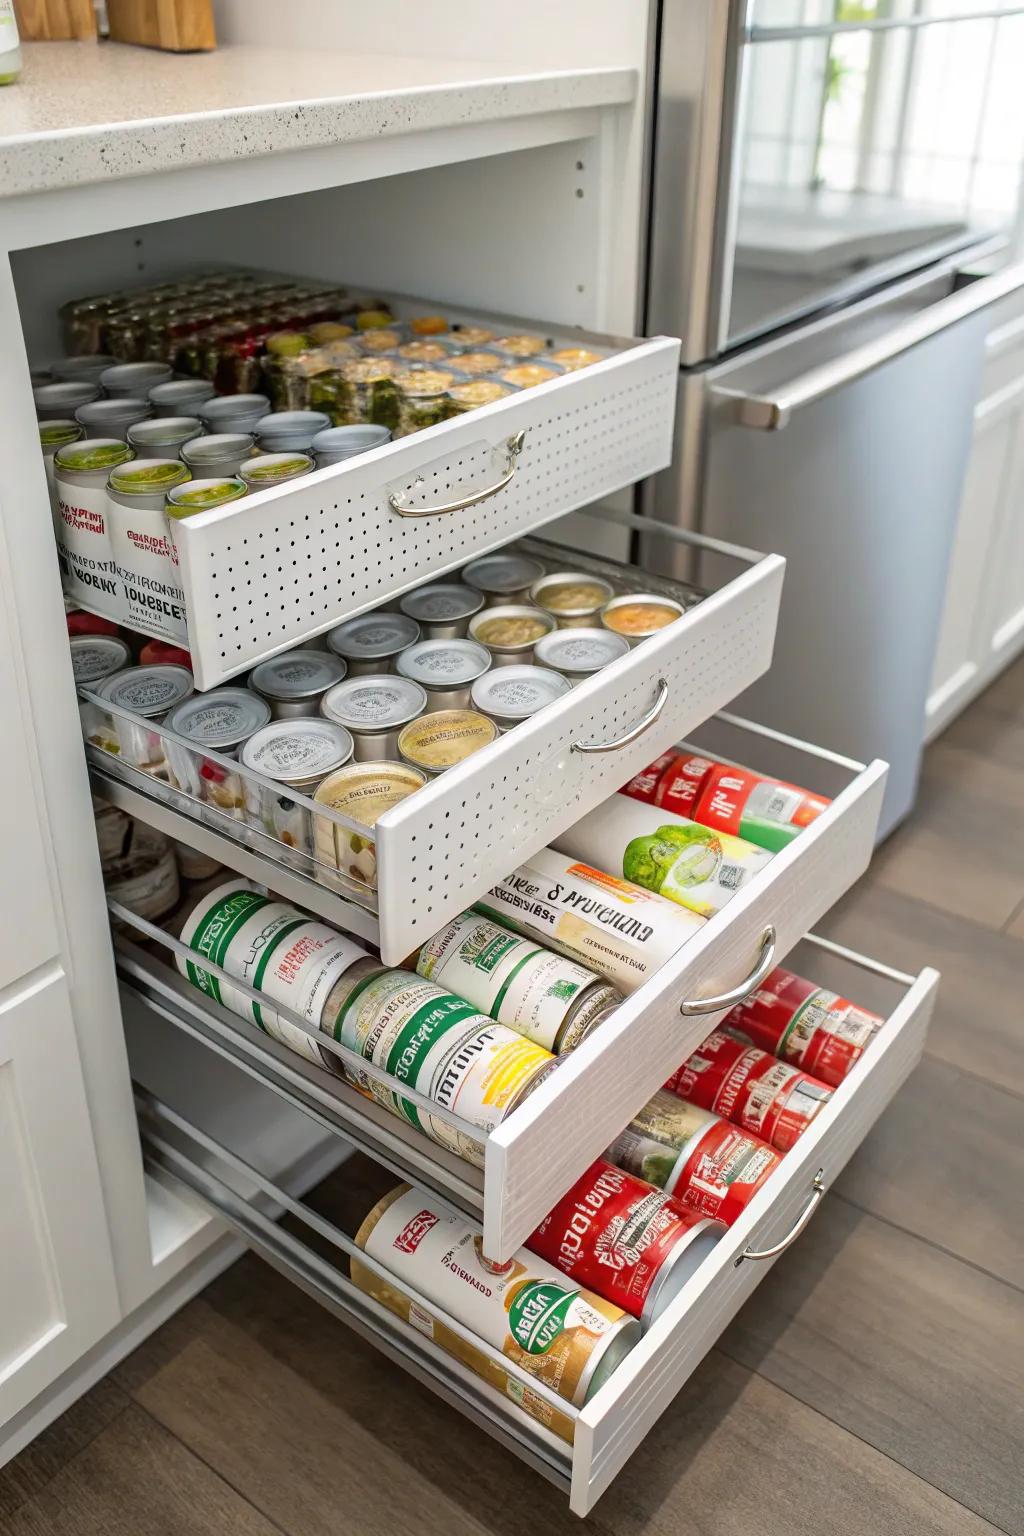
(287, 564)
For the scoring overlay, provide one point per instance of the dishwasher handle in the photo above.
(771, 412)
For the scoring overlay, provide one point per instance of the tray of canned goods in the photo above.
(406, 767)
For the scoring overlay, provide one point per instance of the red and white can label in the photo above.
(732, 797)
(798, 1021)
(612, 1233)
(744, 1084)
(644, 785)
(724, 1171)
(680, 785)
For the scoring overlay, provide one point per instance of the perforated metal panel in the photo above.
(447, 844)
(278, 568)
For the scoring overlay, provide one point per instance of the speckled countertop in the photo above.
(95, 112)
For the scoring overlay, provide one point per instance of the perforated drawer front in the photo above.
(268, 572)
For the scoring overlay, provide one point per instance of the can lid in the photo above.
(297, 674)
(442, 601)
(145, 476)
(200, 495)
(69, 393)
(271, 468)
(53, 434)
(446, 737)
(374, 703)
(365, 791)
(373, 636)
(148, 690)
(121, 408)
(135, 373)
(444, 663)
(502, 573)
(580, 650)
(295, 751)
(172, 391)
(97, 656)
(93, 453)
(223, 718)
(218, 445)
(226, 407)
(164, 429)
(348, 441)
(514, 693)
(88, 365)
(293, 423)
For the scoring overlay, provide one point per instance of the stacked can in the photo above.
(743, 1084)
(798, 1021)
(730, 800)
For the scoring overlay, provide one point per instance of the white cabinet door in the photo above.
(58, 1294)
(1005, 609)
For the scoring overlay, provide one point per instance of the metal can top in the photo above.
(298, 751)
(218, 445)
(132, 377)
(67, 395)
(502, 574)
(515, 693)
(443, 664)
(146, 476)
(268, 469)
(94, 657)
(194, 496)
(224, 718)
(373, 636)
(93, 455)
(580, 650)
(233, 407)
(442, 603)
(435, 742)
(347, 442)
(96, 414)
(155, 431)
(297, 675)
(172, 392)
(148, 691)
(374, 703)
(55, 434)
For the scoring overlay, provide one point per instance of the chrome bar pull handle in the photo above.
(765, 961)
(635, 731)
(814, 1200)
(513, 448)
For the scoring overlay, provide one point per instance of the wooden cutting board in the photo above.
(48, 21)
(182, 26)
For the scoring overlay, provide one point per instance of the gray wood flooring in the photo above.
(875, 1381)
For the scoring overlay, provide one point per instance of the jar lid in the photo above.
(514, 693)
(148, 691)
(374, 703)
(297, 675)
(223, 718)
(502, 573)
(53, 434)
(145, 476)
(295, 751)
(373, 636)
(444, 663)
(93, 453)
(94, 657)
(200, 495)
(442, 602)
(580, 650)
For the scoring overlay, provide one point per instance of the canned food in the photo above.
(143, 876)
(764, 811)
(504, 578)
(333, 445)
(268, 469)
(145, 559)
(273, 949)
(222, 720)
(438, 741)
(156, 651)
(113, 830)
(94, 657)
(363, 792)
(473, 393)
(511, 694)
(520, 346)
(618, 929)
(685, 862)
(526, 1311)
(443, 611)
(180, 397)
(446, 669)
(113, 418)
(571, 358)
(294, 684)
(674, 780)
(751, 1088)
(573, 598)
(625, 1240)
(374, 709)
(423, 398)
(232, 415)
(289, 431)
(202, 495)
(134, 379)
(164, 435)
(149, 693)
(550, 999)
(80, 472)
(298, 754)
(371, 643)
(639, 615)
(510, 632)
(578, 653)
(194, 865)
(219, 456)
(55, 402)
(708, 1164)
(82, 369)
(53, 435)
(436, 1043)
(798, 1021)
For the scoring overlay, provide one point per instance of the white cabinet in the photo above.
(58, 1295)
(983, 620)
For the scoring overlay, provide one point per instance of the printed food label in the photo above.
(452, 666)
(146, 563)
(651, 1144)
(724, 1171)
(85, 544)
(375, 705)
(743, 1084)
(510, 979)
(299, 753)
(798, 1021)
(150, 692)
(575, 655)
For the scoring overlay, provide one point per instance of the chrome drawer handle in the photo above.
(513, 448)
(765, 961)
(634, 732)
(816, 1197)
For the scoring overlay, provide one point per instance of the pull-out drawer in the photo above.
(286, 564)
(608, 1428)
(444, 846)
(537, 1152)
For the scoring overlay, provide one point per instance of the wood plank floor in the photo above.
(875, 1381)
